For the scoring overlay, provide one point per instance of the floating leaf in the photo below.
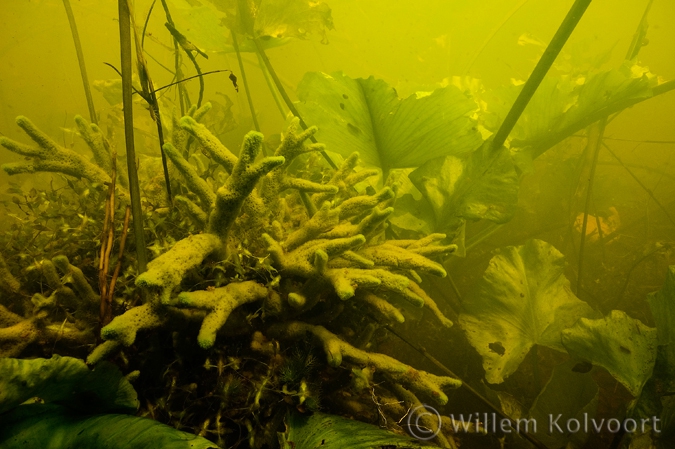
(48, 426)
(483, 184)
(571, 395)
(522, 300)
(622, 345)
(366, 115)
(320, 430)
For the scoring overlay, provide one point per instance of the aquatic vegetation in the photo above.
(286, 277)
(288, 258)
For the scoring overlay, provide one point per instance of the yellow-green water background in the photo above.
(409, 44)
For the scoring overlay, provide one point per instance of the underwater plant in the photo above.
(286, 277)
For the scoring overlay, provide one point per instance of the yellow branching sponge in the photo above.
(336, 349)
(291, 242)
(220, 302)
(48, 156)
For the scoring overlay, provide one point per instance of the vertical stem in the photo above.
(596, 142)
(80, 60)
(545, 62)
(134, 190)
(235, 43)
(287, 99)
(271, 87)
(182, 95)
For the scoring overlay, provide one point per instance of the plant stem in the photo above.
(244, 81)
(545, 62)
(270, 86)
(150, 96)
(134, 189)
(646, 189)
(640, 33)
(182, 94)
(287, 99)
(80, 60)
(595, 141)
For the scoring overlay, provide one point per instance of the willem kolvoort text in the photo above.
(486, 423)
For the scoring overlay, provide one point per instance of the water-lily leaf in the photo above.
(568, 394)
(320, 430)
(483, 184)
(622, 345)
(205, 23)
(662, 304)
(411, 215)
(522, 300)
(49, 426)
(276, 19)
(564, 105)
(662, 383)
(366, 115)
(67, 380)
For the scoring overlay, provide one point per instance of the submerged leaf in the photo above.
(320, 430)
(571, 395)
(562, 106)
(47, 426)
(483, 184)
(662, 304)
(276, 19)
(366, 115)
(66, 380)
(622, 345)
(523, 300)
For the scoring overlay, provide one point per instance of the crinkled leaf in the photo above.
(413, 215)
(483, 184)
(561, 106)
(205, 22)
(662, 382)
(570, 394)
(366, 115)
(47, 426)
(67, 380)
(522, 300)
(320, 430)
(622, 345)
(276, 19)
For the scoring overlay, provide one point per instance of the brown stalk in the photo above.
(107, 242)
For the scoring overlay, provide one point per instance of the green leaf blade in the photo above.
(366, 115)
(47, 426)
(523, 299)
(624, 346)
